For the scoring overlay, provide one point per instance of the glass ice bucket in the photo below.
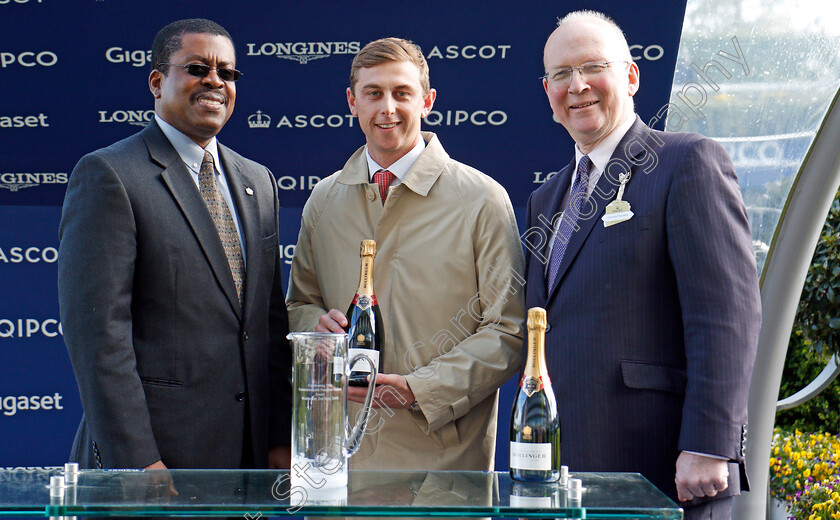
(321, 437)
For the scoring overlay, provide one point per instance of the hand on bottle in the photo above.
(699, 476)
(392, 391)
(333, 321)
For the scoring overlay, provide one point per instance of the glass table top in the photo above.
(255, 493)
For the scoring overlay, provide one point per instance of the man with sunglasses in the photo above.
(169, 281)
(649, 280)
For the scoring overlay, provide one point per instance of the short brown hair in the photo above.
(389, 49)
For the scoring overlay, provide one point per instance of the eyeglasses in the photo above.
(201, 70)
(587, 70)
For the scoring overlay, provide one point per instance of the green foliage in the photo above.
(816, 336)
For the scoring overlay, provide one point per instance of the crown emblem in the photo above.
(259, 120)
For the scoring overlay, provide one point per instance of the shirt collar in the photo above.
(602, 153)
(188, 150)
(403, 164)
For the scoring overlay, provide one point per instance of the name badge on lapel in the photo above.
(618, 210)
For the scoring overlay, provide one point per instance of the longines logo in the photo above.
(18, 181)
(469, 52)
(137, 57)
(302, 52)
(132, 117)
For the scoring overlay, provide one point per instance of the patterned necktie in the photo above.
(223, 219)
(569, 219)
(383, 178)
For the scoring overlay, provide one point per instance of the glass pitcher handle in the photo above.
(354, 439)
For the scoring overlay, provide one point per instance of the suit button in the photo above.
(240, 396)
(245, 336)
(371, 196)
(548, 327)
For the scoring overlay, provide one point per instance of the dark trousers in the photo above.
(720, 509)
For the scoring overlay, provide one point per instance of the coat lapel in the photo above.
(182, 186)
(595, 205)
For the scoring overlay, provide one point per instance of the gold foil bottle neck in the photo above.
(537, 318)
(368, 248)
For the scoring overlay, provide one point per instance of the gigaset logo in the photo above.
(137, 57)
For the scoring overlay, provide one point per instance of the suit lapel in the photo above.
(603, 193)
(178, 179)
(247, 209)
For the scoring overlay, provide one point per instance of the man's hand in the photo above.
(156, 465)
(280, 457)
(392, 391)
(699, 476)
(333, 321)
(160, 484)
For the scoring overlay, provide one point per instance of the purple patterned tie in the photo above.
(569, 219)
(223, 219)
(383, 178)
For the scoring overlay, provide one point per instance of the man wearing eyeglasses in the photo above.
(649, 280)
(169, 281)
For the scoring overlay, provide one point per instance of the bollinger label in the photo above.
(530, 455)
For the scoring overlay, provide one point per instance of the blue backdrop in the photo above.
(74, 78)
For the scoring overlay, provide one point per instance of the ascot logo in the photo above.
(259, 120)
(468, 52)
(262, 120)
(18, 181)
(302, 52)
(132, 117)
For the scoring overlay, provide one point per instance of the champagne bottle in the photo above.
(534, 422)
(364, 322)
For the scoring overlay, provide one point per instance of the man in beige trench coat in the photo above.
(447, 275)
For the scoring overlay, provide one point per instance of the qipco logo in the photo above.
(28, 58)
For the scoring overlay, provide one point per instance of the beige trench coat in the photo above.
(448, 278)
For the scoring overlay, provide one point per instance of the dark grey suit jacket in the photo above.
(169, 366)
(654, 321)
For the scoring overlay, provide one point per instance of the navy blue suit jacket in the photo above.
(653, 321)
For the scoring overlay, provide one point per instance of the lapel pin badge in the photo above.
(618, 210)
(249, 191)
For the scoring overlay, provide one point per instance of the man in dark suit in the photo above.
(640, 251)
(169, 281)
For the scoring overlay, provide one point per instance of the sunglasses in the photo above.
(201, 70)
